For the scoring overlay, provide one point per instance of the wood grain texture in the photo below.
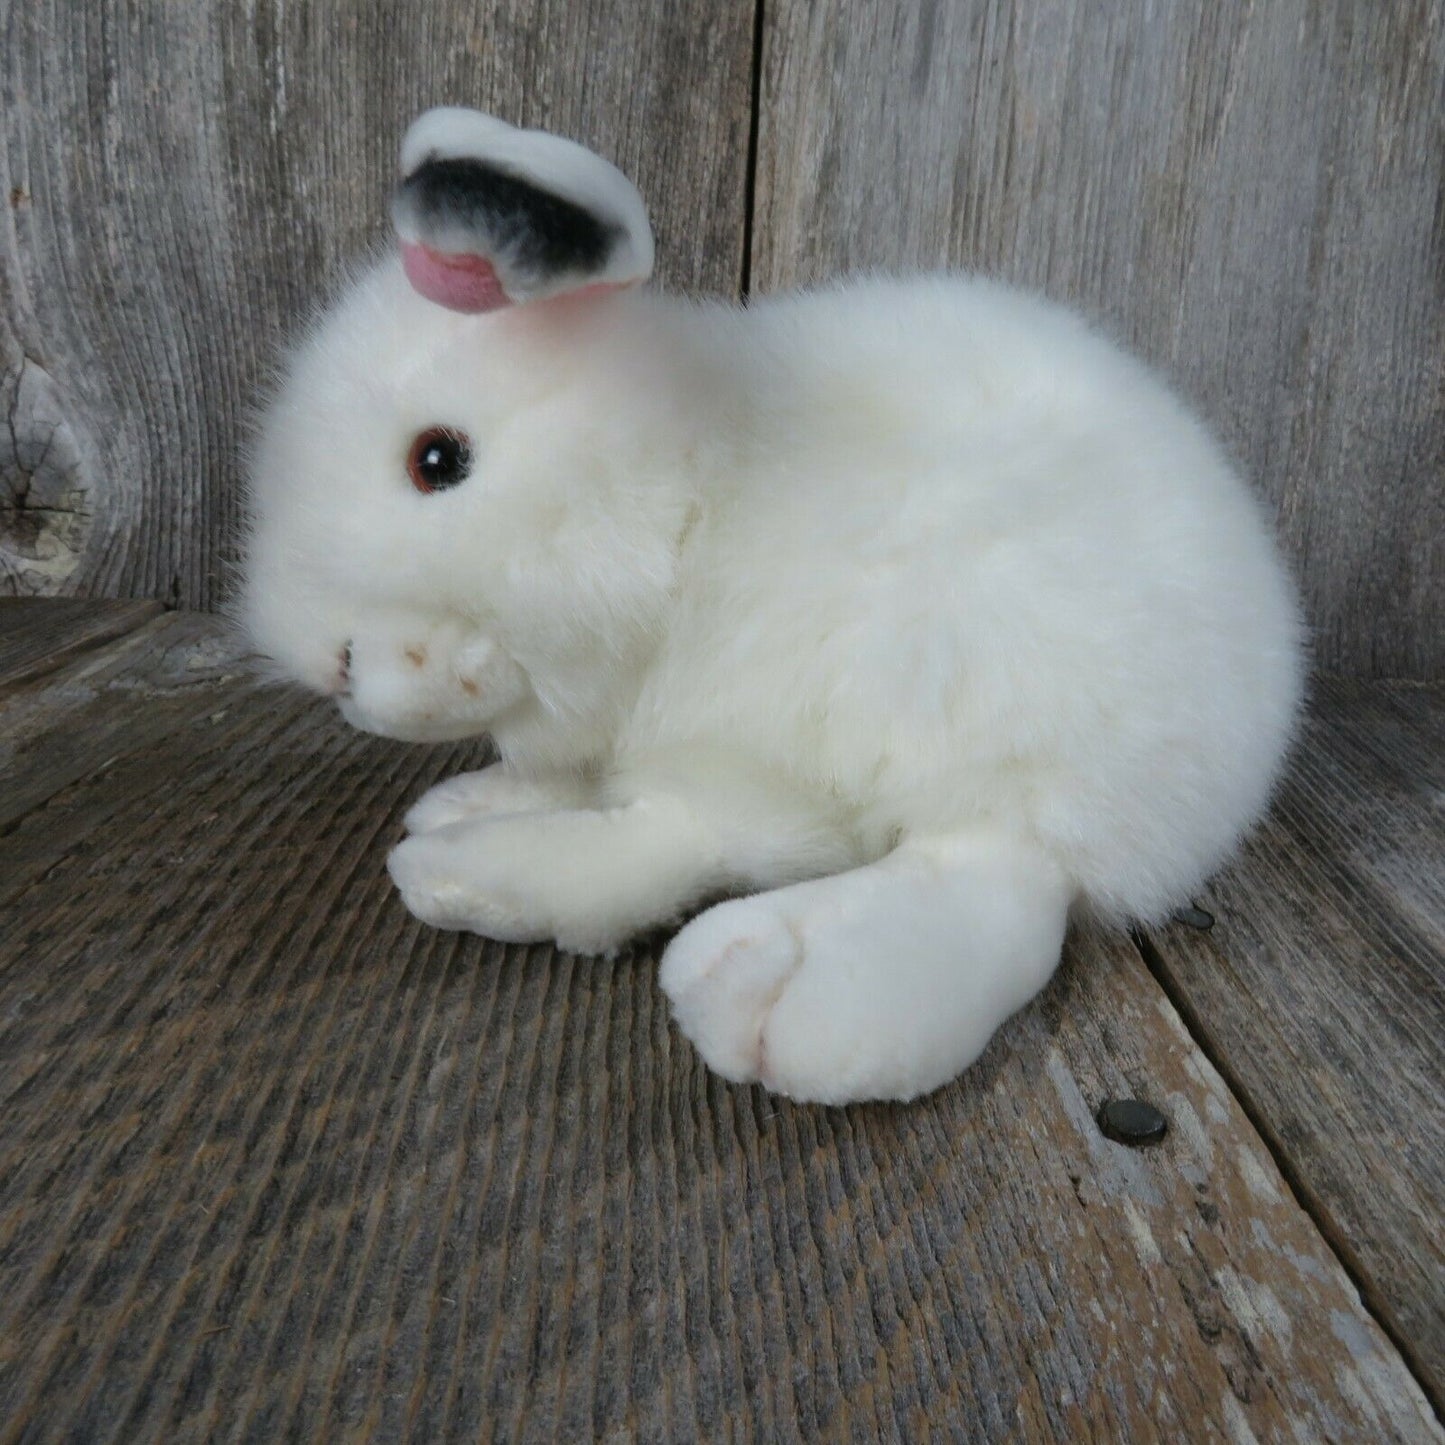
(1322, 987)
(1249, 195)
(132, 694)
(182, 183)
(41, 634)
(276, 1162)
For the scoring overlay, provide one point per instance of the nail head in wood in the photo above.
(1132, 1122)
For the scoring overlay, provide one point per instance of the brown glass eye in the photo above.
(440, 457)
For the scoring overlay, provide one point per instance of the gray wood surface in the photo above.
(277, 1162)
(180, 183)
(1250, 195)
(136, 693)
(1321, 987)
(40, 634)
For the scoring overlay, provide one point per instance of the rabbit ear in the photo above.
(490, 216)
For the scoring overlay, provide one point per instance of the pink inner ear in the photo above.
(456, 280)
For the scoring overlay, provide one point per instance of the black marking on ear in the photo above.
(540, 232)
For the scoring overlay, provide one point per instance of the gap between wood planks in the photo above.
(750, 181)
(1303, 1195)
(28, 655)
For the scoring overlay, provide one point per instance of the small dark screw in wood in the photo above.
(1132, 1122)
(1195, 917)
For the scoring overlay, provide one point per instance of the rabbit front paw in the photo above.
(564, 875)
(449, 884)
(494, 791)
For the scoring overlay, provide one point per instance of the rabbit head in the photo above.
(452, 528)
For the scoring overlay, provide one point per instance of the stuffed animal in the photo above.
(907, 618)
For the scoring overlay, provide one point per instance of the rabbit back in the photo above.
(958, 556)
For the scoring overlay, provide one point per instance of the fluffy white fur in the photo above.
(917, 603)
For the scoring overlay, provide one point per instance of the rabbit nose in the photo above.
(343, 671)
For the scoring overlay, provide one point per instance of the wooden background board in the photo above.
(277, 1162)
(1250, 195)
(179, 183)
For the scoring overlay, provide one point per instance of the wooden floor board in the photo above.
(39, 635)
(275, 1159)
(1322, 985)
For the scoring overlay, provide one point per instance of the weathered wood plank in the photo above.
(182, 182)
(1322, 987)
(39, 635)
(276, 1160)
(1247, 194)
(130, 695)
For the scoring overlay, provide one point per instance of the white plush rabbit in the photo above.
(913, 611)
